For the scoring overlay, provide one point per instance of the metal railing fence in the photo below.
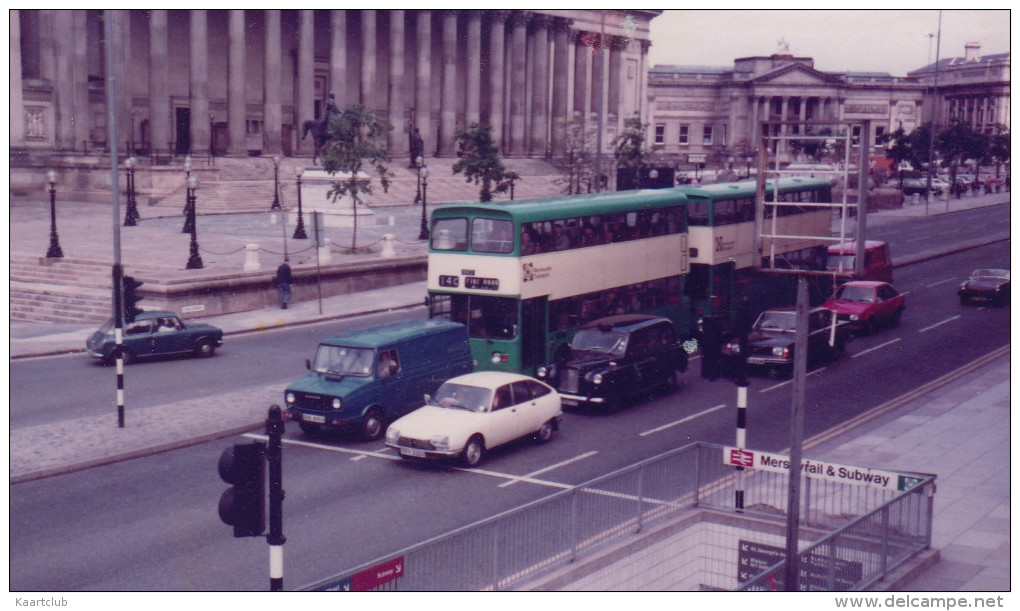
(530, 541)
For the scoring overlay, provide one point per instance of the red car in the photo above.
(867, 304)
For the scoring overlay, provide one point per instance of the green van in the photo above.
(363, 379)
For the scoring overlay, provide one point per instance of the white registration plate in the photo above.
(572, 402)
(313, 418)
(414, 452)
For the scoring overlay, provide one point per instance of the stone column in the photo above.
(16, 93)
(582, 76)
(784, 128)
(236, 77)
(561, 68)
(338, 59)
(159, 93)
(423, 80)
(368, 59)
(199, 75)
(63, 82)
(616, 44)
(448, 101)
(540, 87)
(80, 71)
(122, 71)
(754, 137)
(272, 83)
(304, 108)
(398, 142)
(497, 73)
(473, 109)
(518, 73)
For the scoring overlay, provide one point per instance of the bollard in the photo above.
(251, 261)
(325, 254)
(387, 249)
(916, 199)
(392, 221)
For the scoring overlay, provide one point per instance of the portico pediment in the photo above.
(794, 74)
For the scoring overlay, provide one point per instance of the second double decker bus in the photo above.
(523, 275)
(722, 239)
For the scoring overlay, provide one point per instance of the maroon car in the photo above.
(867, 304)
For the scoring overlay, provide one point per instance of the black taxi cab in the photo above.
(614, 358)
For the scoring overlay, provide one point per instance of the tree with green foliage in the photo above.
(998, 147)
(354, 138)
(480, 162)
(576, 164)
(629, 147)
(898, 149)
(959, 142)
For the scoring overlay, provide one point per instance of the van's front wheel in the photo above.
(372, 427)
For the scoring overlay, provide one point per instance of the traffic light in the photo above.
(243, 505)
(129, 290)
(711, 349)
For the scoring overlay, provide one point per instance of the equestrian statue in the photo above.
(320, 127)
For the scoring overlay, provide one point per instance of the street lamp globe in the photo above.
(193, 182)
(51, 177)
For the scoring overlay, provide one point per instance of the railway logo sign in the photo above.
(370, 578)
(818, 469)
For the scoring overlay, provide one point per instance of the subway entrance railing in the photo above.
(858, 526)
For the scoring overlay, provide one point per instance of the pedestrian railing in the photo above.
(529, 542)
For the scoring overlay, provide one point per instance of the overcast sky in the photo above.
(889, 41)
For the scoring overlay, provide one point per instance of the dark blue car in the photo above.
(155, 333)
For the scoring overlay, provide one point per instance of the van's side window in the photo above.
(389, 364)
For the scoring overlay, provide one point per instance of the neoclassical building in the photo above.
(713, 115)
(973, 88)
(242, 82)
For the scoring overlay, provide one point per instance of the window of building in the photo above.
(684, 134)
(660, 134)
(706, 136)
(879, 135)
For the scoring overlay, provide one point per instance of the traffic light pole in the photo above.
(274, 458)
(118, 271)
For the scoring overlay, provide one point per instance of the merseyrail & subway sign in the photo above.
(817, 469)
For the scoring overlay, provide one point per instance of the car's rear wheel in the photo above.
(205, 349)
(372, 427)
(544, 432)
(473, 452)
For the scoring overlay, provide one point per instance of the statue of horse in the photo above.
(318, 129)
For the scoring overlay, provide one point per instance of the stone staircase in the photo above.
(246, 185)
(60, 290)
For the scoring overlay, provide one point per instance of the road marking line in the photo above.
(939, 324)
(874, 348)
(683, 420)
(319, 446)
(934, 284)
(790, 381)
(550, 468)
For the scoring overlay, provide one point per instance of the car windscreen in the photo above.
(855, 293)
(342, 360)
(777, 321)
(461, 396)
(990, 273)
(837, 261)
(614, 344)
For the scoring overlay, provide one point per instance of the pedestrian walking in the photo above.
(283, 282)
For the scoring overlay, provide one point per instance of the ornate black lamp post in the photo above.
(54, 251)
(423, 179)
(299, 230)
(276, 183)
(194, 259)
(418, 163)
(131, 214)
(423, 176)
(187, 197)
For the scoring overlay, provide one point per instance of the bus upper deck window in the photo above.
(492, 235)
(449, 234)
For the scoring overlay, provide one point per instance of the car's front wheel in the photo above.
(205, 349)
(473, 452)
(372, 426)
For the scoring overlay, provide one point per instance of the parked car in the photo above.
(155, 333)
(362, 379)
(867, 304)
(771, 340)
(612, 358)
(474, 413)
(919, 185)
(989, 285)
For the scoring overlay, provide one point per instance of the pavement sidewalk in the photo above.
(959, 430)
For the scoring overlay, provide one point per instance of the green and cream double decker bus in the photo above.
(523, 275)
(722, 241)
